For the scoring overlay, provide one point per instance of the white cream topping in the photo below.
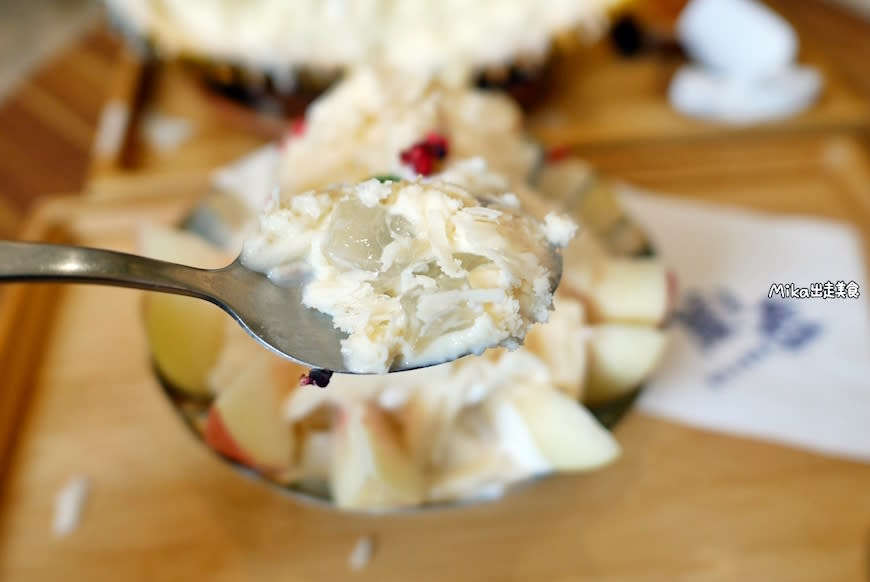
(360, 127)
(449, 37)
(415, 272)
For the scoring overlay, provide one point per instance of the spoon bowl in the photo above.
(272, 314)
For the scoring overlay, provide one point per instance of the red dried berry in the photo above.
(320, 377)
(437, 145)
(297, 127)
(419, 158)
(420, 153)
(425, 166)
(557, 154)
(410, 155)
(317, 376)
(423, 155)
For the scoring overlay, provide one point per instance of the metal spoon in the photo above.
(273, 315)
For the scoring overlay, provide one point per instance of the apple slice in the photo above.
(184, 334)
(237, 351)
(561, 344)
(315, 459)
(218, 437)
(424, 419)
(481, 452)
(246, 422)
(620, 358)
(625, 290)
(370, 468)
(178, 246)
(483, 473)
(566, 434)
(514, 436)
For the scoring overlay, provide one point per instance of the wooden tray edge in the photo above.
(27, 310)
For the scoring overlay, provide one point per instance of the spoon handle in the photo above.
(40, 262)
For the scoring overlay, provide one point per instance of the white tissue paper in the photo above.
(740, 38)
(746, 358)
(743, 64)
(699, 93)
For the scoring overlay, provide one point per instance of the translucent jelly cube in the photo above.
(357, 236)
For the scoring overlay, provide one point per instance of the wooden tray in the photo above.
(594, 100)
(681, 504)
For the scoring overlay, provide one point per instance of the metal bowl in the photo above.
(579, 190)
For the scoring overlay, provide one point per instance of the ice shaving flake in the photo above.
(490, 492)
(481, 213)
(304, 205)
(510, 200)
(371, 192)
(393, 398)
(559, 229)
(68, 505)
(164, 132)
(362, 553)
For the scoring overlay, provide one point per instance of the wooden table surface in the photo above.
(682, 505)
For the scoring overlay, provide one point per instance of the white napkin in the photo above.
(788, 370)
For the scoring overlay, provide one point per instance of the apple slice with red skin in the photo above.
(219, 438)
(246, 421)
